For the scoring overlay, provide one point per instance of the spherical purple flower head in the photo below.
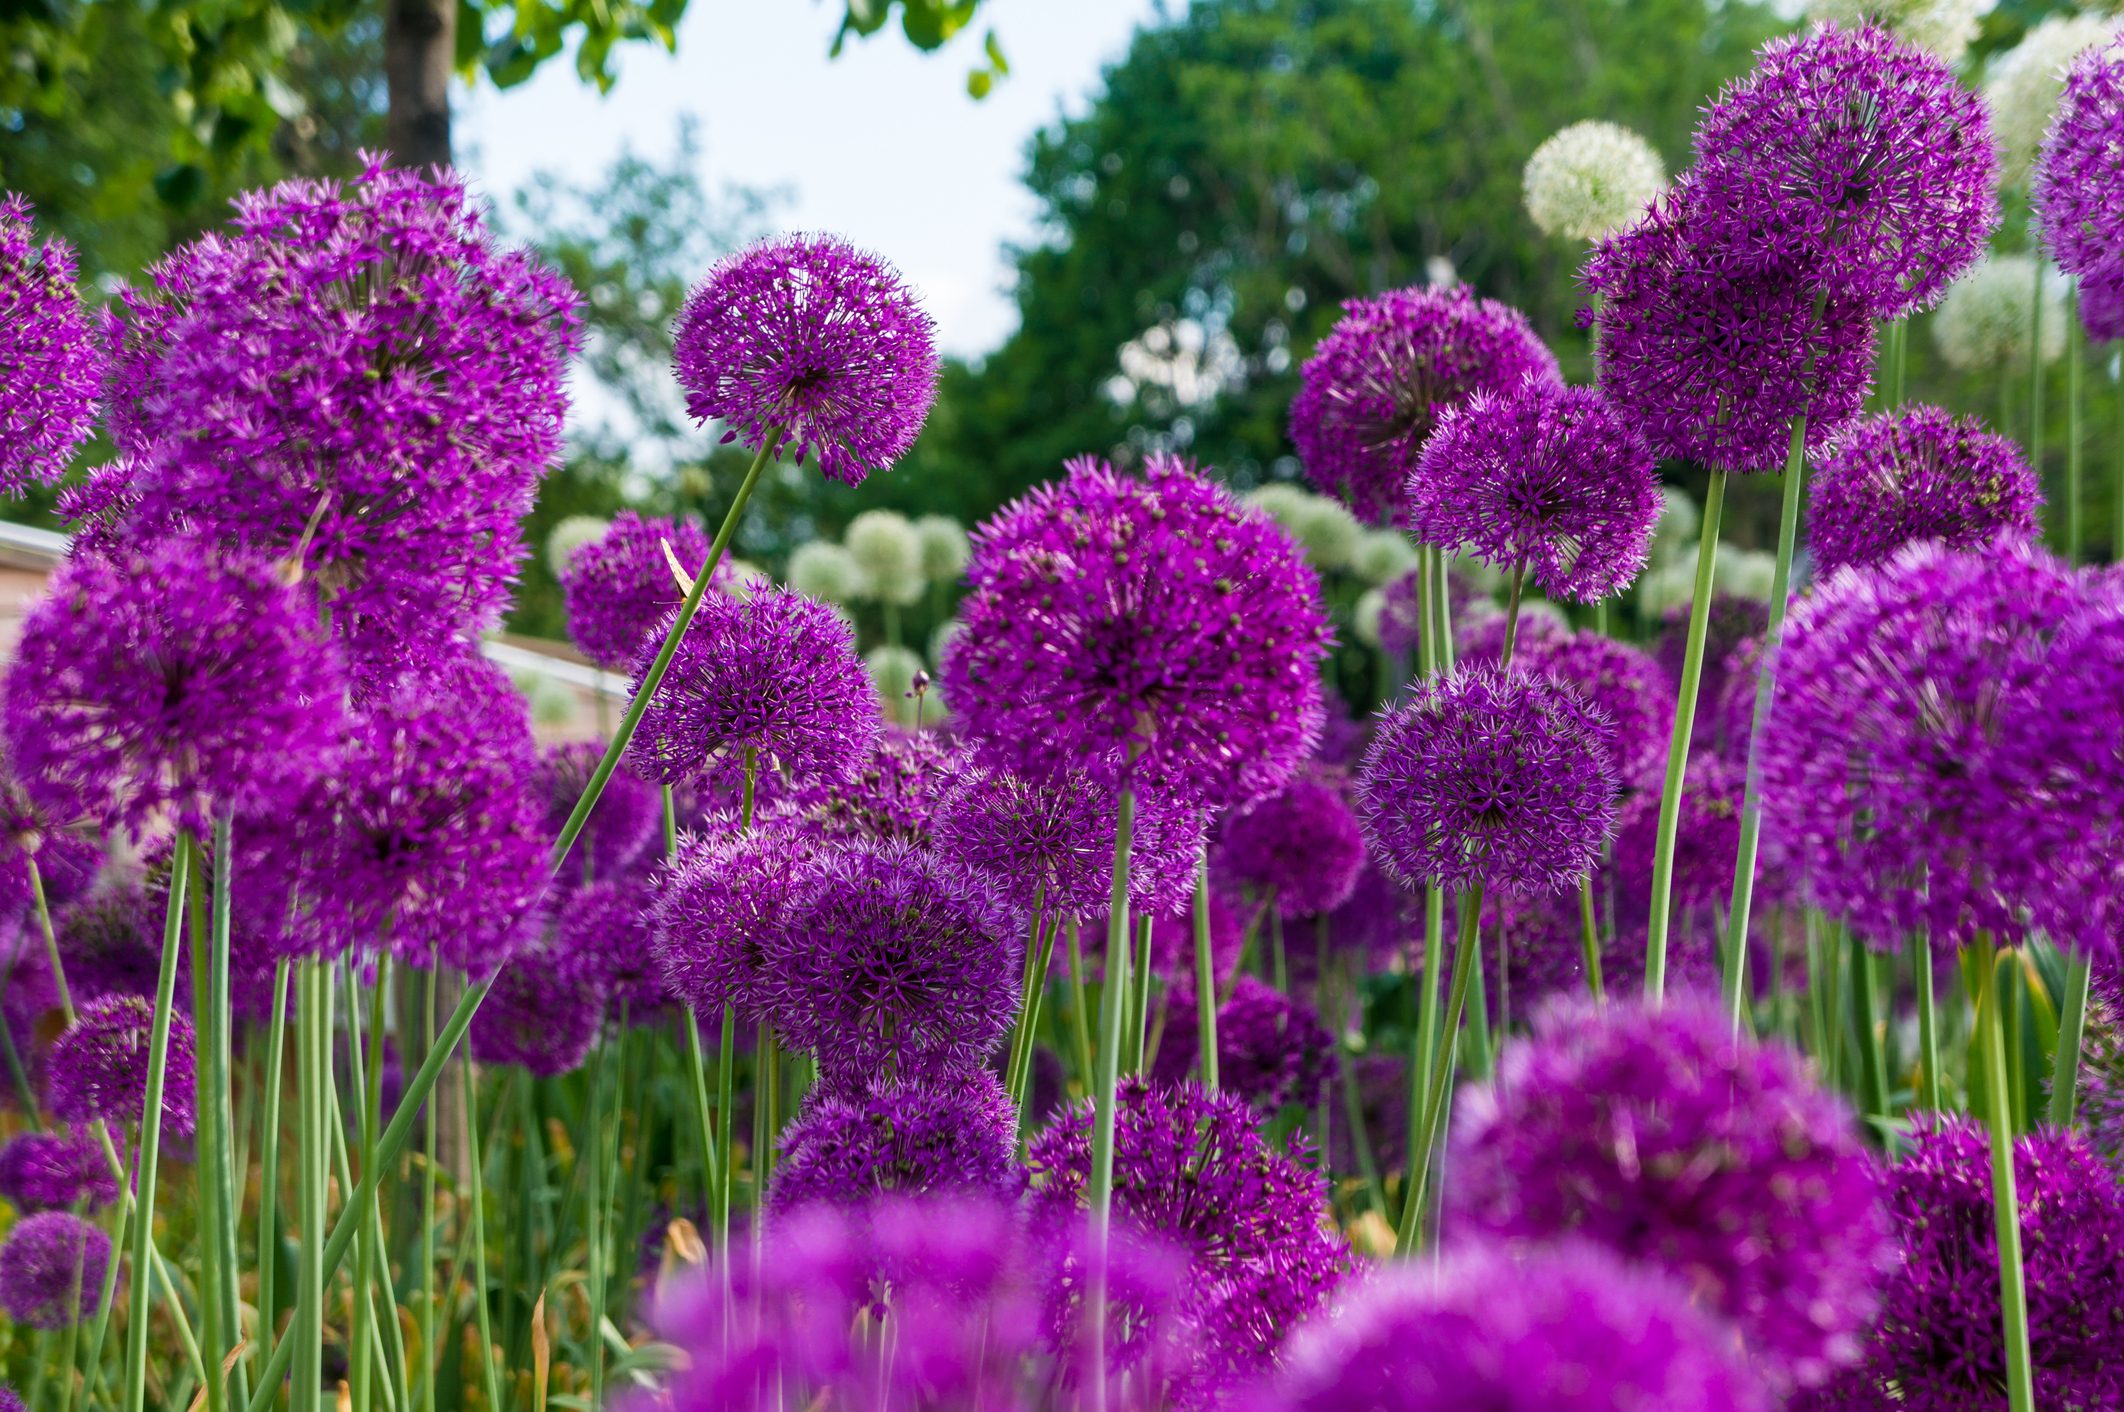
(1712, 362)
(892, 963)
(610, 932)
(908, 1138)
(2078, 184)
(51, 356)
(1376, 923)
(1482, 779)
(1661, 1135)
(1730, 623)
(108, 943)
(1271, 1049)
(67, 861)
(808, 336)
(718, 908)
(10, 1401)
(1861, 160)
(1172, 950)
(99, 1067)
(95, 508)
(1918, 473)
(620, 589)
(1939, 1342)
(1194, 1168)
(896, 790)
(1371, 394)
(51, 1270)
(51, 1170)
(543, 1012)
(1621, 682)
(1151, 631)
(169, 688)
(1572, 1329)
(620, 831)
(2101, 305)
(1923, 671)
(776, 675)
(359, 373)
(1050, 838)
(1707, 840)
(1544, 478)
(1302, 846)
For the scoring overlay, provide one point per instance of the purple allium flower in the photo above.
(1301, 846)
(2078, 186)
(1940, 1341)
(543, 1012)
(99, 1067)
(1400, 619)
(719, 908)
(620, 831)
(1172, 950)
(1861, 160)
(906, 1138)
(1731, 623)
(1194, 1168)
(10, 1400)
(1048, 839)
(1153, 631)
(1376, 922)
(620, 590)
(895, 791)
(892, 963)
(95, 507)
(171, 687)
(1925, 672)
(608, 930)
(1713, 363)
(1489, 780)
(809, 337)
(357, 373)
(1661, 1135)
(1572, 1329)
(1706, 841)
(51, 357)
(1544, 478)
(51, 1270)
(1918, 473)
(1373, 390)
(1621, 682)
(52, 1170)
(774, 676)
(1271, 1049)
(110, 943)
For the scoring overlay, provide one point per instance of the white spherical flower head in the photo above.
(1364, 618)
(893, 670)
(945, 549)
(1743, 573)
(1666, 587)
(1280, 501)
(2024, 85)
(571, 533)
(825, 571)
(1942, 28)
(1985, 322)
(1383, 556)
(889, 552)
(1591, 178)
(1327, 531)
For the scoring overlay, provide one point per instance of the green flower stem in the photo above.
(2116, 472)
(1279, 964)
(1113, 995)
(213, 1272)
(1589, 940)
(311, 1060)
(1136, 1036)
(1021, 1093)
(51, 938)
(1425, 1134)
(1206, 980)
(136, 1330)
(2072, 1025)
(1865, 1011)
(2035, 377)
(1031, 978)
(217, 1055)
(1079, 1006)
(1898, 361)
(490, 1375)
(430, 1135)
(725, 1108)
(365, 1072)
(1678, 746)
(1361, 1140)
(766, 1120)
(1928, 1023)
(1511, 627)
(269, 1157)
(2013, 1286)
(598, 1244)
(2075, 543)
(1735, 970)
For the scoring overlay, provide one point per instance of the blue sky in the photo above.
(882, 145)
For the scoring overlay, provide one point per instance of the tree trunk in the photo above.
(420, 50)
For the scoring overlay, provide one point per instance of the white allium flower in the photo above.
(940, 637)
(571, 533)
(825, 571)
(1383, 556)
(1328, 532)
(1744, 573)
(1942, 28)
(2023, 87)
(1279, 500)
(552, 704)
(1364, 618)
(1674, 537)
(1542, 608)
(1668, 586)
(1983, 323)
(944, 547)
(889, 552)
(892, 670)
(1590, 178)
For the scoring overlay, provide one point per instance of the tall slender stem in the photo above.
(217, 1049)
(1511, 627)
(1928, 1022)
(206, 1102)
(1112, 999)
(269, 1154)
(312, 1074)
(430, 1134)
(150, 1141)
(2005, 1205)
(1751, 825)
(599, 1243)
(2035, 371)
(1079, 1006)
(490, 1377)
(2075, 543)
(1678, 745)
(2072, 1025)
(1029, 985)
(1466, 961)
(1205, 979)
(1589, 941)
(1865, 1015)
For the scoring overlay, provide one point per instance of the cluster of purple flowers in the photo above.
(51, 358)
(2078, 187)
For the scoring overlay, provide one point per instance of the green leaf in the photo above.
(996, 60)
(979, 82)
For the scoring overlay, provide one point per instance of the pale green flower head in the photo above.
(1668, 586)
(1364, 618)
(940, 638)
(1327, 531)
(1280, 501)
(1591, 178)
(1383, 556)
(889, 552)
(944, 547)
(1984, 323)
(1942, 28)
(1743, 573)
(825, 571)
(571, 533)
(892, 670)
(2025, 83)
(1674, 537)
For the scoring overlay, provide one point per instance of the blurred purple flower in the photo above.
(1271, 1049)
(1917, 473)
(54, 1170)
(51, 357)
(899, 1138)
(620, 591)
(99, 1067)
(1301, 846)
(51, 1270)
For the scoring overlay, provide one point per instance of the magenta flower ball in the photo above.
(51, 356)
(719, 907)
(46, 1171)
(51, 1270)
(899, 1138)
(544, 1011)
(98, 1068)
(2078, 186)
(1625, 687)
(1918, 473)
(1301, 847)
(620, 592)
